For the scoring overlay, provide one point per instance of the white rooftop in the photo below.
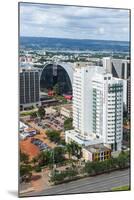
(75, 136)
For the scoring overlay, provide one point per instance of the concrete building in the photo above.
(120, 68)
(107, 64)
(97, 152)
(57, 73)
(97, 107)
(66, 111)
(29, 87)
(129, 95)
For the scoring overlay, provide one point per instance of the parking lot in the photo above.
(52, 121)
(39, 143)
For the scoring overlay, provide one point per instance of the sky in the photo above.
(43, 20)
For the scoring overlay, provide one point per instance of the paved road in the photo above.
(100, 183)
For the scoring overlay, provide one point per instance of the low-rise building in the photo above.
(66, 111)
(97, 152)
(25, 131)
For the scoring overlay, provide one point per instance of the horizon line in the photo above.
(75, 38)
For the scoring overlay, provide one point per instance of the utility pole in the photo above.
(53, 161)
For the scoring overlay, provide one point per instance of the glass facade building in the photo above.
(29, 87)
(53, 75)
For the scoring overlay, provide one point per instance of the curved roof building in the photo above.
(60, 74)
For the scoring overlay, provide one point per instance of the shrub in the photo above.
(54, 136)
(37, 168)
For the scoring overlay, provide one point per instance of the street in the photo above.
(100, 183)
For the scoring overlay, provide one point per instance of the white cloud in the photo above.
(73, 22)
(101, 30)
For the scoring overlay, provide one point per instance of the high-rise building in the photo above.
(129, 95)
(120, 68)
(107, 64)
(29, 87)
(97, 106)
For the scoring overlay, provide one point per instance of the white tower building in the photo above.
(98, 105)
(107, 64)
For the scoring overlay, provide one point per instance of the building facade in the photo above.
(98, 106)
(66, 111)
(96, 152)
(120, 68)
(129, 95)
(29, 87)
(59, 75)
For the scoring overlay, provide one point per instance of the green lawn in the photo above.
(26, 113)
(121, 188)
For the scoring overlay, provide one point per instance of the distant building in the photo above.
(107, 64)
(97, 152)
(97, 107)
(56, 73)
(26, 59)
(120, 68)
(29, 87)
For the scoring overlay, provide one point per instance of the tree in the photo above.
(63, 175)
(57, 177)
(76, 150)
(24, 158)
(123, 160)
(56, 89)
(44, 158)
(96, 167)
(37, 168)
(25, 172)
(54, 136)
(33, 114)
(69, 150)
(41, 112)
(34, 160)
(89, 168)
(58, 154)
(68, 124)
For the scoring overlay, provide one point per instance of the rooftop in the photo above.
(67, 106)
(85, 141)
(96, 148)
(83, 64)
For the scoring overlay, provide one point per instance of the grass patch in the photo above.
(121, 188)
(27, 113)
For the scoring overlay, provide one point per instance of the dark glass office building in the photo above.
(29, 88)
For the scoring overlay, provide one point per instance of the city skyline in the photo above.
(59, 21)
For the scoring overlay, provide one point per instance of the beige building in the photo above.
(66, 110)
(97, 152)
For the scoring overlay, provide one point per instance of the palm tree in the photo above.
(74, 149)
(69, 150)
(41, 112)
